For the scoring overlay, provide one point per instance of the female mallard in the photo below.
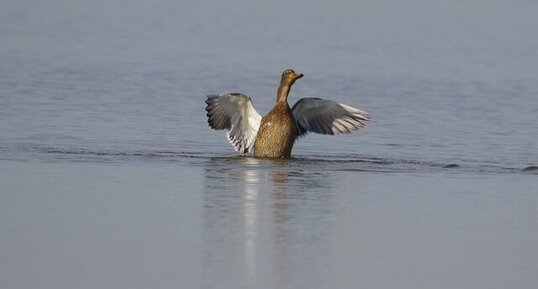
(273, 135)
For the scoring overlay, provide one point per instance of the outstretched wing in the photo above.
(235, 113)
(327, 117)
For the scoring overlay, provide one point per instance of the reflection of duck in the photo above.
(274, 134)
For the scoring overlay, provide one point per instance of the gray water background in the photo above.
(111, 178)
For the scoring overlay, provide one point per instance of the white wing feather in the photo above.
(235, 113)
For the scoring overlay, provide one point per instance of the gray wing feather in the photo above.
(327, 117)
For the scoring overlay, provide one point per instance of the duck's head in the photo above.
(288, 79)
(289, 76)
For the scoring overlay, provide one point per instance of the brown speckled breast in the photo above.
(277, 133)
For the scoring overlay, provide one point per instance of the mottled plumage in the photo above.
(277, 133)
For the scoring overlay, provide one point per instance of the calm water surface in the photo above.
(111, 178)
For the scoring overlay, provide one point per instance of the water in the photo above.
(111, 178)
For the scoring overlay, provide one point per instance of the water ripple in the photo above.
(315, 162)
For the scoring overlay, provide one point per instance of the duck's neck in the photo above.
(283, 91)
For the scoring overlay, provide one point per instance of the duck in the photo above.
(273, 135)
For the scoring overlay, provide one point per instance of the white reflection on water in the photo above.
(250, 214)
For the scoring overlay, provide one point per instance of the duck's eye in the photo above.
(288, 71)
